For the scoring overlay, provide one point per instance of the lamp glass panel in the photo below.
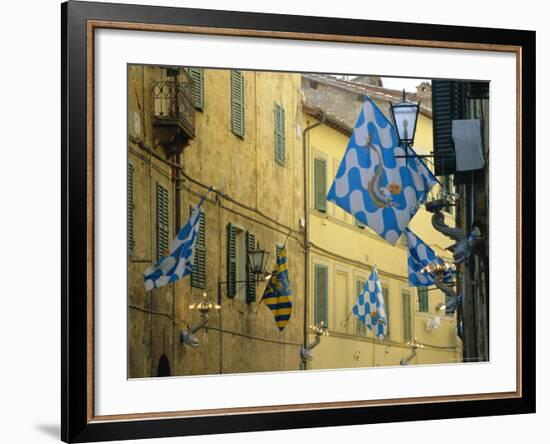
(405, 121)
(257, 260)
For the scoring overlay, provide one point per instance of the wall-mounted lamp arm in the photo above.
(305, 351)
(407, 359)
(188, 337)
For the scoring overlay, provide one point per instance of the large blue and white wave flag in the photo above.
(370, 308)
(179, 261)
(420, 256)
(381, 191)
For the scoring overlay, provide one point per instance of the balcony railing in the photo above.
(173, 103)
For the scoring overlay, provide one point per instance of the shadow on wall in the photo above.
(51, 430)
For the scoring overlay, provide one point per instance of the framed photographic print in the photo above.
(275, 221)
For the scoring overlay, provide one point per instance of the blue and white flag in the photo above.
(381, 191)
(419, 257)
(370, 308)
(179, 261)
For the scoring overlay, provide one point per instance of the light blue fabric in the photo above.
(179, 262)
(381, 191)
(420, 256)
(370, 308)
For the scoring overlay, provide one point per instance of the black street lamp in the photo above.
(257, 260)
(405, 116)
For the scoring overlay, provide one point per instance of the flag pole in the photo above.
(204, 195)
(286, 238)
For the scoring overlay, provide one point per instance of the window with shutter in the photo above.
(320, 184)
(360, 327)
(237, 103)
(407, 321)
(386, 296)
(447, 105)
(198, 276)
(423, 303)
(131, 209)
(162, 221)
(231, 260)
(250, 276)
(197, 75)
(320, 307)
(279, 137)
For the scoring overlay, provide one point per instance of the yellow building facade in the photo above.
(342, 253)
(235, 131)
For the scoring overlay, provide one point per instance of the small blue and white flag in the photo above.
(179, 261)
(370, 308)
(380, 190)
(419, 257)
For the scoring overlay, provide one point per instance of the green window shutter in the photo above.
(423, 302)
(360, 327)
(197, 75)
(279, 136)
(231, 260)
(237, 103)
(250, 277)
(131, 209)
(198, 277)
(447, 105)
(386, 296)
(407, 321)
(162, 221)
(320, 308)
(320, 184)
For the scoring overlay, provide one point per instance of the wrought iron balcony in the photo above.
(174, 112)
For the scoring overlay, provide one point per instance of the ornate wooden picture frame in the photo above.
(80, 22)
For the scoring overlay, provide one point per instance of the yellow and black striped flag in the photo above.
(278, 294)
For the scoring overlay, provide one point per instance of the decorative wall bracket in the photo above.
(204, 307)
(464, 244)
(305, 352)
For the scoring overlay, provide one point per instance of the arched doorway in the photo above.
(163, 368)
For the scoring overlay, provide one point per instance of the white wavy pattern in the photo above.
(370, 308)
(179, 261)
(407, 184)
(419, 256)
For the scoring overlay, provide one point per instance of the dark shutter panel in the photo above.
(237, 103)
(407, 324)
(423, 303)
(320, 184)
(162, 221)
(198, 277)
(386, 295)
(231, 261)
(478, 90)
(447, 105)
(197, 75)
(279, 134)
(131, 209)
(321, 295)
(250, 276)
